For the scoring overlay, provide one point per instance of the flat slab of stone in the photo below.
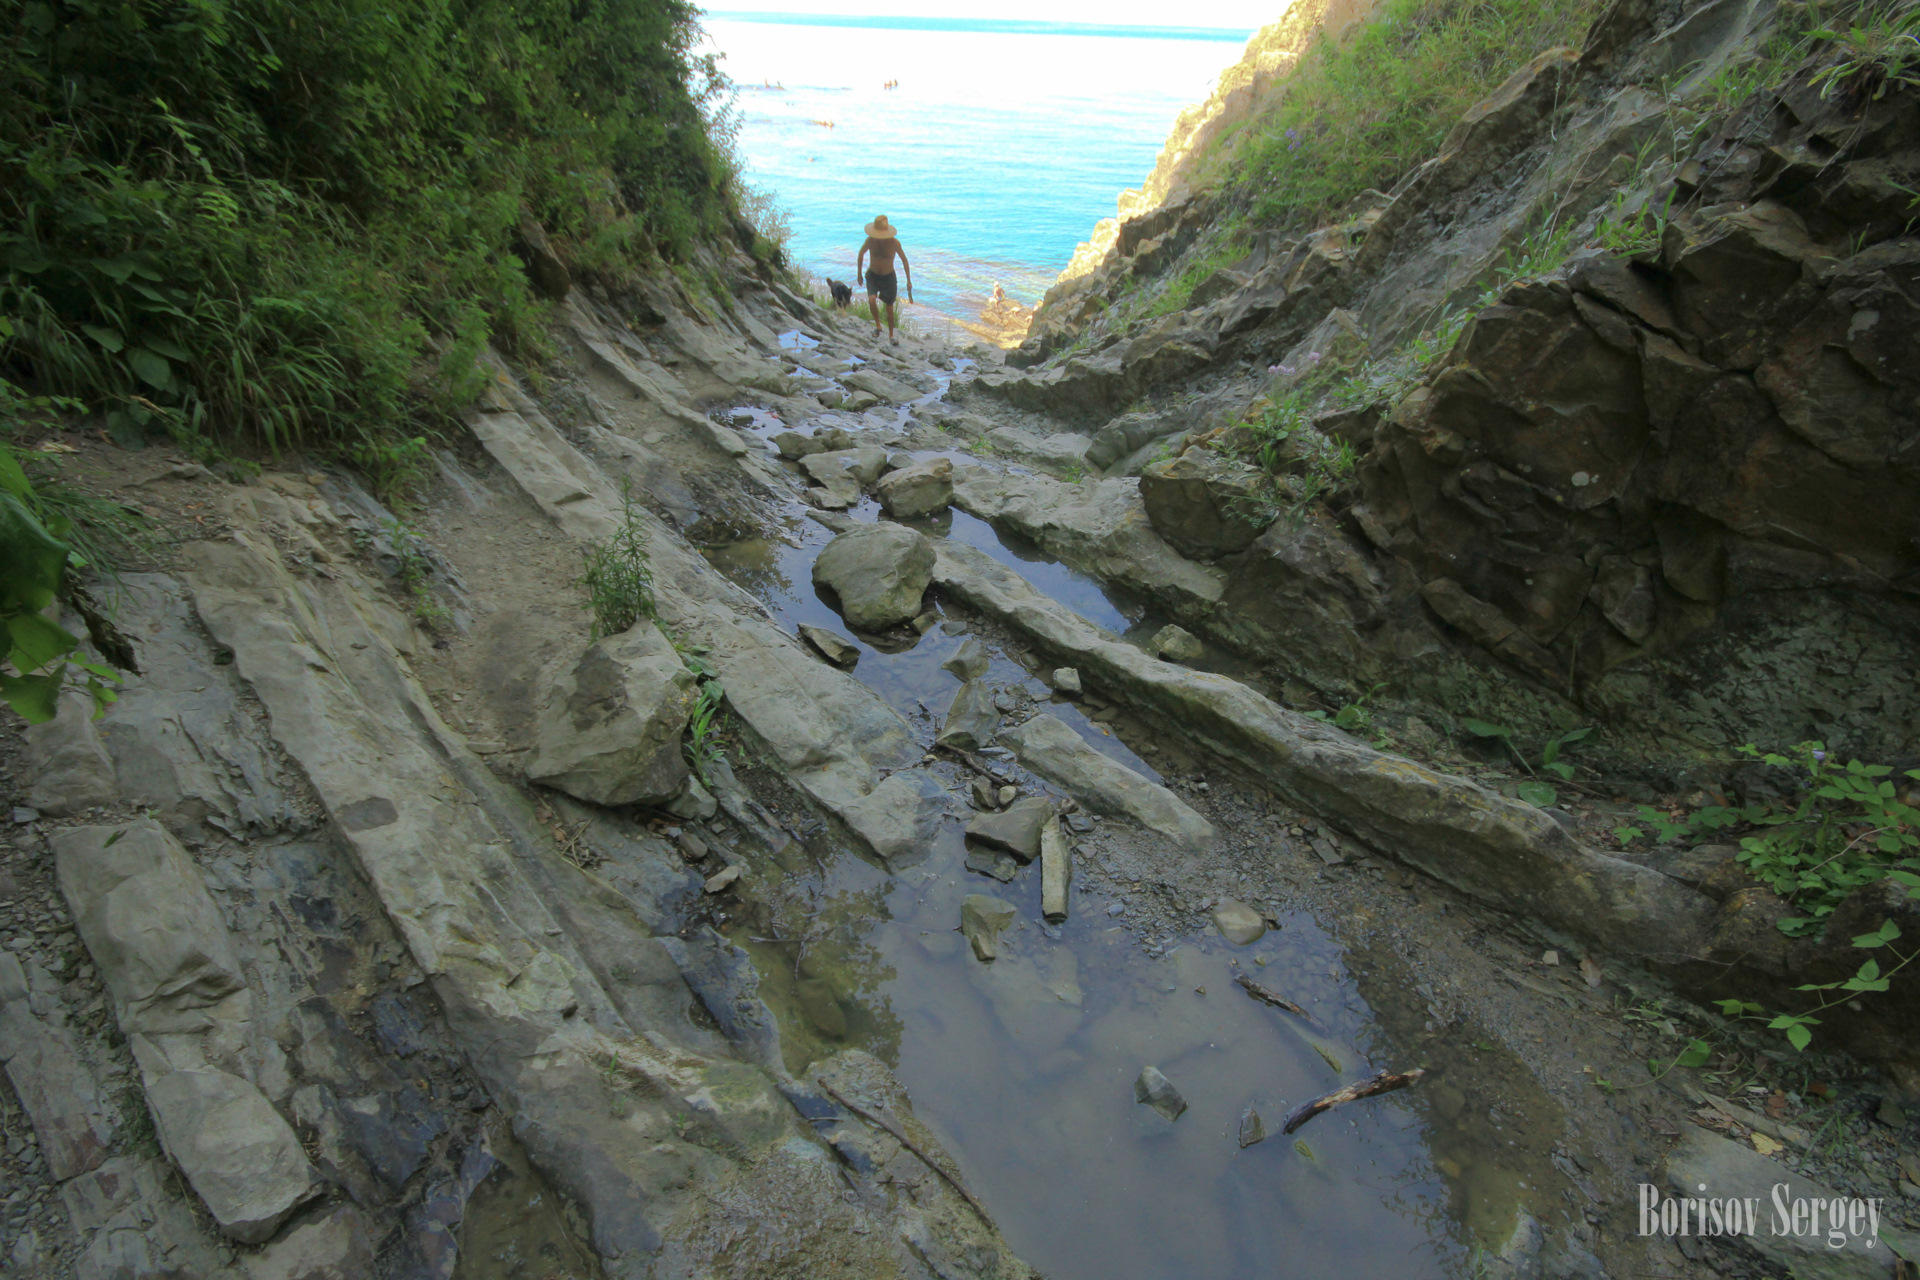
(899, 817)
(875, 383)
(609, 732)
(1048, 745)
(1731, 1170)
(1491, 848)
(1015, 828)
(242, 1159)
(879, 571)
(971, 718)
(55, 1088)
(150, 924)
(969, 662)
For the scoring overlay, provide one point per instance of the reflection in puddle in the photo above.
(1025, 1066)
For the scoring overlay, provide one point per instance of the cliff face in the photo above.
(1623, 373)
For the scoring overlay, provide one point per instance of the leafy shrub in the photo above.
(285, 223)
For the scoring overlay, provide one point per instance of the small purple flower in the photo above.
(1313, 357)
(1820, 756)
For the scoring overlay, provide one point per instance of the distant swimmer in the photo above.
(824, 124)
(882, 284)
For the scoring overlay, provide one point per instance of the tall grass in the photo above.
(1359, 113)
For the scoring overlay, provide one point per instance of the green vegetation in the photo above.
(615, 573)
(707, 723)
(266, 224)
(1535, 791)
(415, 573)
(1848, 828)
(1359, 114)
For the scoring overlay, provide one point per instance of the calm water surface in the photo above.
(995, 155)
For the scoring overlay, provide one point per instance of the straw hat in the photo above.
(880, 228)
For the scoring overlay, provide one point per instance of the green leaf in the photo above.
(35, 559)
(36, 698)
(152, 368)
(1559, 767)
(105, 337)
(166, 347)
(1627, 835)
(1694, 1055)
(1481, 729)
(1887, 932)
(1576, 735)
(1798, 1036)
(36, 642)
(1538, 794)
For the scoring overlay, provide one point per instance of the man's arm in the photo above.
(900, 250)
(859, 262)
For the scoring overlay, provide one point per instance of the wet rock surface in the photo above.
(880, 573)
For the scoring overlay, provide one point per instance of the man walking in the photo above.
(882, 284)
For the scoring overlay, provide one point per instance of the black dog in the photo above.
(842, 294)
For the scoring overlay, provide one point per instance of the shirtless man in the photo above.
(882, 285)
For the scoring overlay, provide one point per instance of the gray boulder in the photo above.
(243, 1160)
(1204, 504)
(971, 718)
(879, 571)
(609, 732)
(918, 490)
(794, 446)
(1049, 746)
(878, 384)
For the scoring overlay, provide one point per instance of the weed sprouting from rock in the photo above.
(616, 575)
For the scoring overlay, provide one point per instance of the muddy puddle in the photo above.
(1026, 1066)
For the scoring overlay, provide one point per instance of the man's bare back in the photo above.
(882, 287)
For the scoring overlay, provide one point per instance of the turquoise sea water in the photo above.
(1002, 145)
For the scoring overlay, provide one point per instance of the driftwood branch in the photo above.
(1265, 996)
(910, 1145)
(975, 763)
(1383, 1082)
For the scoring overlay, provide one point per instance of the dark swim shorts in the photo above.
(887, 286)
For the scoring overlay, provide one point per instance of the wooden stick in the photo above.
(910, 1145)
(1265, 996)
(975, 763)
(1382, 1082)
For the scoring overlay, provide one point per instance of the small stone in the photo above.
(1015, 829)
(1891, 1114)
(1550, 957)
(970, 662)
(1252, 1127)
(723, 878)
(971, 718)
(983, 918)
(991, 862)
(1158, 1092)
(1327, 853)
(1007, 795)
(841, 652)
(926, 622)
(691, 846)
(1056, 872)
(1238, 923)
(1175, 644)
(1067, 681)
(984, 796)
(23, 815)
